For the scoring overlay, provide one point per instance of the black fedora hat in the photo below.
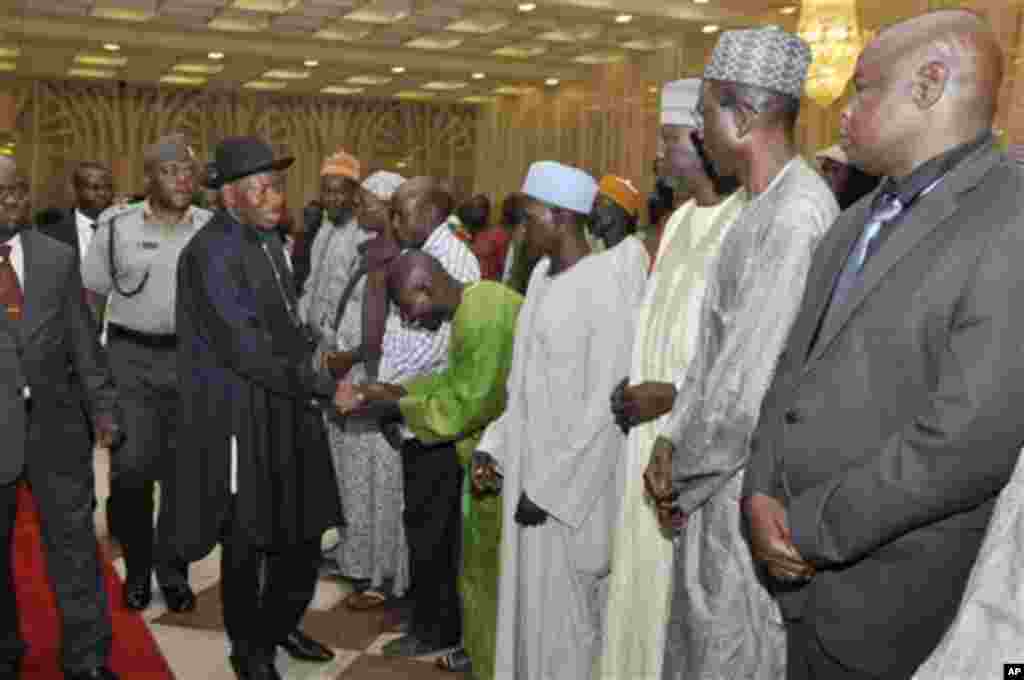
(238, 157)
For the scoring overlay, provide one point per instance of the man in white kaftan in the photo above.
(726, 623)
(643, 554)
(557, 444)
(988, 631)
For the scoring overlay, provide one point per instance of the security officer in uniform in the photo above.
(133, 259)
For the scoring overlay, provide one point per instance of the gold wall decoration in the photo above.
(62, 123)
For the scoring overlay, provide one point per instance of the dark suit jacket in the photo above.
(889, 441)
(65, 231)
(54, 349)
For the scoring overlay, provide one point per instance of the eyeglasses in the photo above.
(17, 192)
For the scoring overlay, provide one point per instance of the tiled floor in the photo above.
(196, 647)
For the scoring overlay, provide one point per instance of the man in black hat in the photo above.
(254, 472)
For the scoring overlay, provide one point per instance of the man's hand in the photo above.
(347, 397)
(528, 513)
(108, 433)
(637, 404)
(771, 542)
(484, 474)
(338, 363)
(658, 475)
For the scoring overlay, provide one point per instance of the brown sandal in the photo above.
(368, 599)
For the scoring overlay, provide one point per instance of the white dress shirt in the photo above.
(84, 227)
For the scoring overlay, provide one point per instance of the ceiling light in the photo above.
(482, 23)
(652, 90)
(551, 82)
(527, 6)
(434, 43)
(478, 99)
(710, 28)
(398, 69)
(271, 6)
(623, 18)
(700, 2)
(368, 80)
(91, 73)
(215, 55)
(444, 85)
(111, 47)
(479, 76)
(243, 23)
(311, 63)
(382, 12)
(265, 85)
(9, 52)
(340, 89)
(521, 51)
(8, 66)
(206, 69)
(788, 10)
(177, 79)
(100, 60)
(599, 58)
(285, 74)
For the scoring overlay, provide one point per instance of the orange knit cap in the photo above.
(341, 164)
(622, 192)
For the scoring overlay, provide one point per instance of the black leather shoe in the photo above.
(248, 668)
(304, 648)
(137, 594)
(179, 599)
(98, 673)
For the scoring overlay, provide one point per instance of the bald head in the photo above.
(957, 41)
(14, 198)
(420, 205)
(924, 86)
(424, 291)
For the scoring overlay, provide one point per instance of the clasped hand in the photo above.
(636, 404)
(484, 475)
(658, 485)
(771, 542)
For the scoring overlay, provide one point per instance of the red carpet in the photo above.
(135, 653)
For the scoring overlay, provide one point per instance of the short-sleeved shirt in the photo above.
(143, 247)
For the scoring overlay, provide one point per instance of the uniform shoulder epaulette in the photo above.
(118, 211)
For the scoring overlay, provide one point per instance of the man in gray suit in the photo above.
(48, 342)
(893, 419)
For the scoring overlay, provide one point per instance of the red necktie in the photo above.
(10, 288)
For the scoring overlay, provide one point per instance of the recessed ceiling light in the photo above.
(444, 85)
(700, 2)
(788, 10)
(479, 76)
(91, 73)
(527, 6)
(9, 52)
(311, 63)
(265, 85)
(8, 66)
(205, 69)
(341, 89)
(100, 60)
(652, 90)
(286, 74)
(710, 28)
(623, 18)
(111, 47)
(177, 79)
(398, 69)
(551, 82)
(216, 55)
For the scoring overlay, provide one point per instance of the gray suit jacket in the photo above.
(54, 350)
(889, 440)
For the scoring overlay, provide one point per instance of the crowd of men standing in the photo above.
(762, 439)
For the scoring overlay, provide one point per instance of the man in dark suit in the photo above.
(253, 471)
(893, 419)
(94, 193)
(45, 332)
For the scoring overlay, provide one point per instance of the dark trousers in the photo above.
(65, 502)
(147, 381)
(433, 523)
(807, 659)
(264, 594)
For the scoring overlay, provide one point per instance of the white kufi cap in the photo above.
(561, 185)
(679, 102)
(383, 184)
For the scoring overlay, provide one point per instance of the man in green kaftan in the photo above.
(455, 405)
